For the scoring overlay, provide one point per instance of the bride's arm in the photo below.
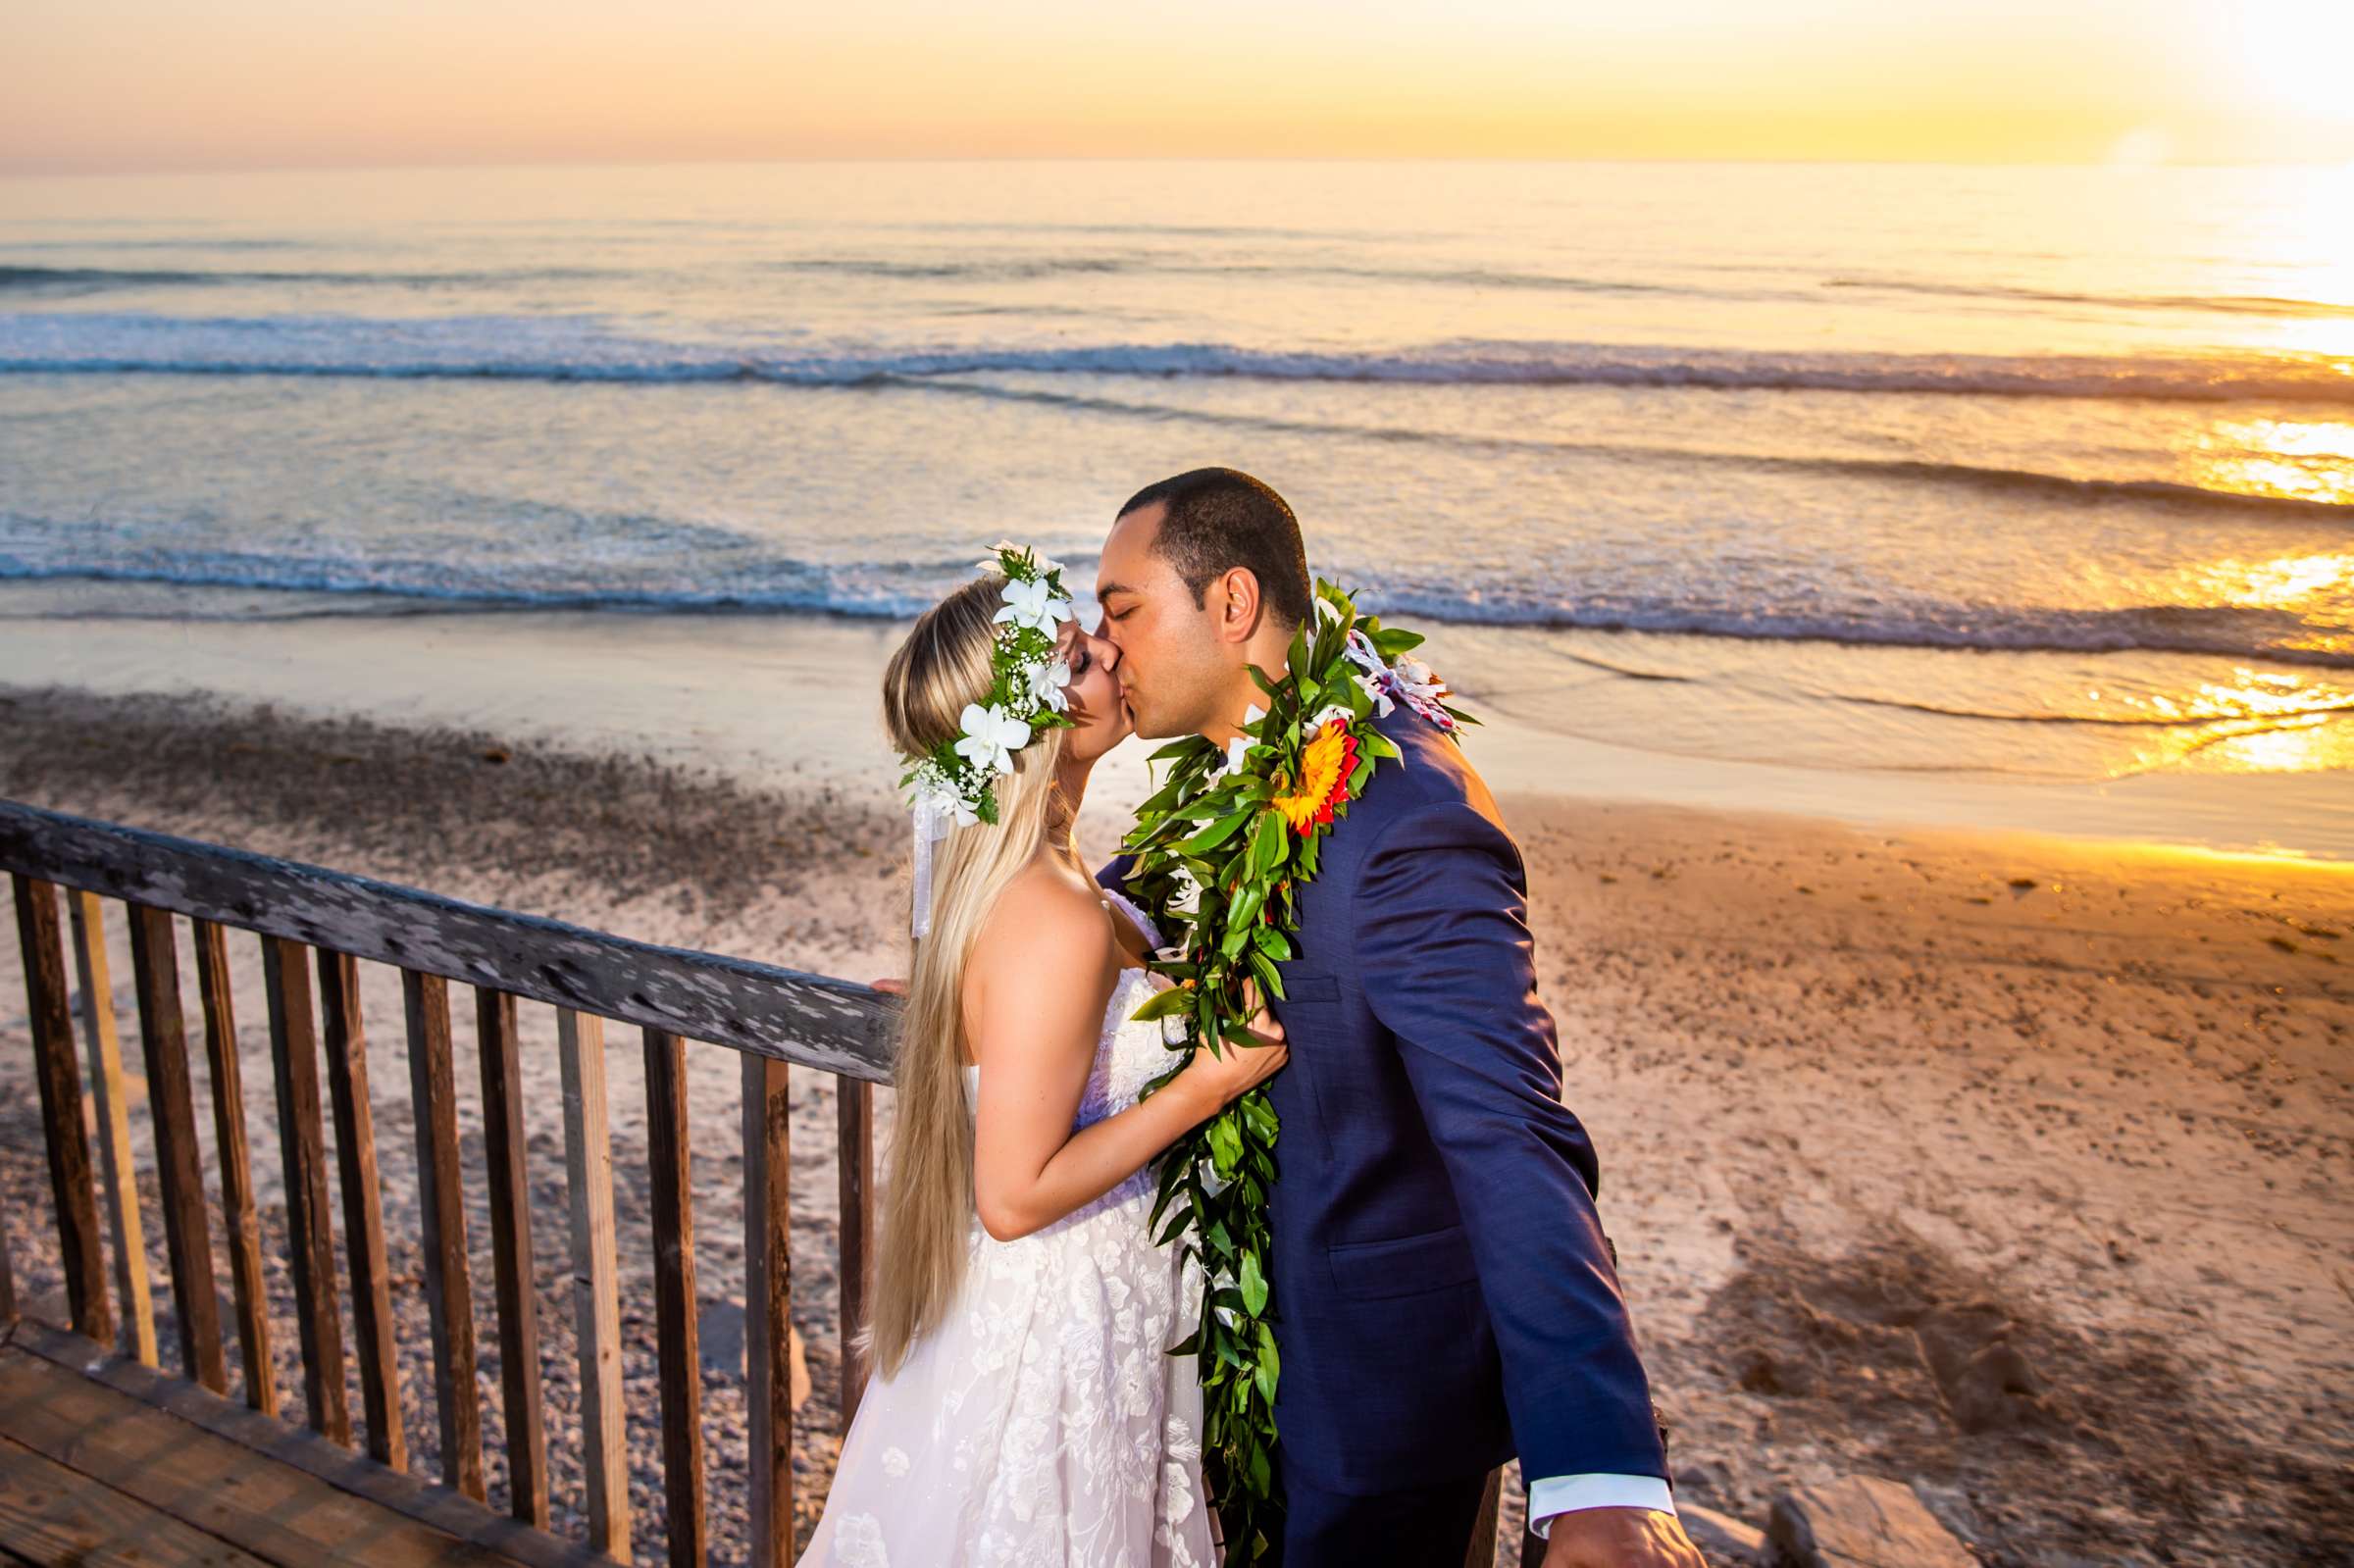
(1038, 996)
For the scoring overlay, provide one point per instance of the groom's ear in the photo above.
(1234, 597)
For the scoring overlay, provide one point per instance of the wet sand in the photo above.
(2006, 1166)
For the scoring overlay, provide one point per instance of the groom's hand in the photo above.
(1619, 1537)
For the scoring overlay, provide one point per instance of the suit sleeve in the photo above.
(1114, 873)
(1447, 963)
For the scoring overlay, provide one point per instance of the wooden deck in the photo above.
(105, 1461)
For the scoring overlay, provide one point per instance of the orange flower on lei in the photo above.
(1325, 764)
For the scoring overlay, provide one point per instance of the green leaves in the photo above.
(1247, 862)
(1216, 834)
(1266, 842)
(1254, 1293)
(1164, 1005)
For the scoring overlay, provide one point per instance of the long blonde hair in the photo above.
(928, 1194)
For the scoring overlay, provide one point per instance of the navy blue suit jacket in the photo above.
(1442, 1294)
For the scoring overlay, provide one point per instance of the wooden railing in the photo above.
(308, 920)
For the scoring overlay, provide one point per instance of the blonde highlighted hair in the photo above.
(927, 1200)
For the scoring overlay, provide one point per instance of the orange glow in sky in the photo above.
(153, 85)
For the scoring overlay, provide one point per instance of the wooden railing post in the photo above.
(363, 1218)
(855, 1159)
(768, 1306)
(237, 1220)
(117, 1176)
(596, 1295)
(178, 1162)
(441, 1204)
(677, 1334)
(60, 1077)
(504, 1145)
(303, 1147)
(8, 1273)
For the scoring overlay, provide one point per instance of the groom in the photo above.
(1445, 1301)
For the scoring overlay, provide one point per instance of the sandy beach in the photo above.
(1871, 1102)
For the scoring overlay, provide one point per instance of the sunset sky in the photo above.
(97, 85)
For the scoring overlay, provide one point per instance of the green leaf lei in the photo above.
(1242, 828)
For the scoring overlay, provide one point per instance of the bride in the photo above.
(1024, 1408)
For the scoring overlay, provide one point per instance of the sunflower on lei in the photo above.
(1222, 851)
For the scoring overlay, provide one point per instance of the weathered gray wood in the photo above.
(63, 1135)
(448, 1285)
(237, 1220)
(596, 1279)
(768, 1307)
(854, 1160)
(178, 1161)
(677, 1334)
(510, 1189)
(363, 1214)
(117, 1176)
(811, 1019)
(302, 1146)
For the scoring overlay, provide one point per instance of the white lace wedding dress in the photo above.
(1044, 1423)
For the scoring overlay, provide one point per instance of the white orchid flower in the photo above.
(938, 802)
(1048, 678)
(1328, 609)
(990, 737)
(1381, 699)
(1325, 715)
(951, 804)
(1034, 604)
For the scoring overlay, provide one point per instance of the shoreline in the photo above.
(788, 699)
(1866, 1100)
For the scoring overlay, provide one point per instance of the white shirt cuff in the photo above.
(1565, 1494)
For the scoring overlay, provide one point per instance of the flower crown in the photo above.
(954, 784)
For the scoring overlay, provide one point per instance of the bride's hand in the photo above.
(1242, 1064)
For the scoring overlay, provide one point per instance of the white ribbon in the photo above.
(931, 825)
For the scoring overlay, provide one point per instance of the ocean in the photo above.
(2036, 479)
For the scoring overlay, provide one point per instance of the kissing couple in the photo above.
(1231, 1212)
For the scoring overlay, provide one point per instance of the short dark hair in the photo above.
(1221, 517)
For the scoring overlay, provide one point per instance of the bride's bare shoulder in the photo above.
(1049, 922)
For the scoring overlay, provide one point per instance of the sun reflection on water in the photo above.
(2303, 460)
(2260, 722)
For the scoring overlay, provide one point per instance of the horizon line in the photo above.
(167, 170)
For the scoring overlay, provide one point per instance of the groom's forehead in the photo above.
(1128, 564)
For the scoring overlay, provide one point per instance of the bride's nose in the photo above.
(1107, 652)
